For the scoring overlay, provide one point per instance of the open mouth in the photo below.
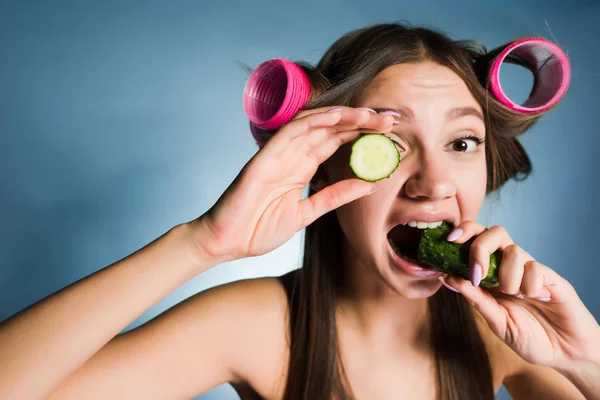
(405, 241)
(406, 238)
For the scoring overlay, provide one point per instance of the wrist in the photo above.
(585, 375)
(202, 244)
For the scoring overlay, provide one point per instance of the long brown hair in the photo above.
(462, 364)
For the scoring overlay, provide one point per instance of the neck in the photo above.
(367, 303)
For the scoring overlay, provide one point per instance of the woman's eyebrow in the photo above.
(452, 114)
(459, 112)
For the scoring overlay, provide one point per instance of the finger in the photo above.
(465, 231)
(308, 123)
(317, 137)
(332, 197)
(329, 147)
(492, 239)
(304, 113)
(512, 268)
(532, 284)
(482, 301)
(559, 289)
(303, 136)
(350, 119)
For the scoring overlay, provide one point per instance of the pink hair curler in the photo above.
(551, 71)
(275, 92)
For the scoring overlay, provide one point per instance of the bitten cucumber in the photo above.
(452, 258)
(374, 157)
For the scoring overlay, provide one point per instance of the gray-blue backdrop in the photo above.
(120, 119)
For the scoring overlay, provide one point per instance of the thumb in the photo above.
(332, 197)
(482, 301)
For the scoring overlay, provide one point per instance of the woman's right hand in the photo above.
(263, 207)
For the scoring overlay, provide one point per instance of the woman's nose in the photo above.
(432, 180)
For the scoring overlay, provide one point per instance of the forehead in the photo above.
(411, 83)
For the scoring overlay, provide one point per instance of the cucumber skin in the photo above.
(452, 258)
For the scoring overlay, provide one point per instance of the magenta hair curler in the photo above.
(550, 67)
(275, 92)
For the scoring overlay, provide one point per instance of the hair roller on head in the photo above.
(274, 93)
(548, 63)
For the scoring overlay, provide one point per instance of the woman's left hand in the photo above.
(534, 310)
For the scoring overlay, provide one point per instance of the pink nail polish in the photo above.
(389, 112)
(368, 109)
(476, 274)
(441, 279)
(334, 109)
(392, 113)
(455, 234)
(544, 299)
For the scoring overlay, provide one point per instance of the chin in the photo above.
(410, 287)
(421, 290)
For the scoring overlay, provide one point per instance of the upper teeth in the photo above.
(423, 224)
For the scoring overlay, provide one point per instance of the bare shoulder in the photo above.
(249, 299)
(248, 320)
(256, 313)
(258, 321)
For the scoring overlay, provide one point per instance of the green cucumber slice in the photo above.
(452, 258)
(374, 157)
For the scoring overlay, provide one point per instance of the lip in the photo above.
(412, 269)
(426, 217)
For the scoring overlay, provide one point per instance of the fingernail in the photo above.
(393, 113)
(520, 295)
(476, 274)
(455, 234)
(373, 188)
(368, 109)
(334, 109)
(543, 298)
(389, 112)
(441, 279)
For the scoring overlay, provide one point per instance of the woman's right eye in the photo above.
(400, 148)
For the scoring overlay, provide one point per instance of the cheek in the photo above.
(471, 189)
(361, 215)
(361, 222)
(359, 218)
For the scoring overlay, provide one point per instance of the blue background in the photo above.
(121, 119)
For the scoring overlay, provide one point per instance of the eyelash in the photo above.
(474, 138)
(397, 144)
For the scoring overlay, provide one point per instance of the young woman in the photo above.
(359, 320)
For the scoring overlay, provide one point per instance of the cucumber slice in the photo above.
(374, 157)
(453, 258)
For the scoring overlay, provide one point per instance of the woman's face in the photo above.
(442, 174)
